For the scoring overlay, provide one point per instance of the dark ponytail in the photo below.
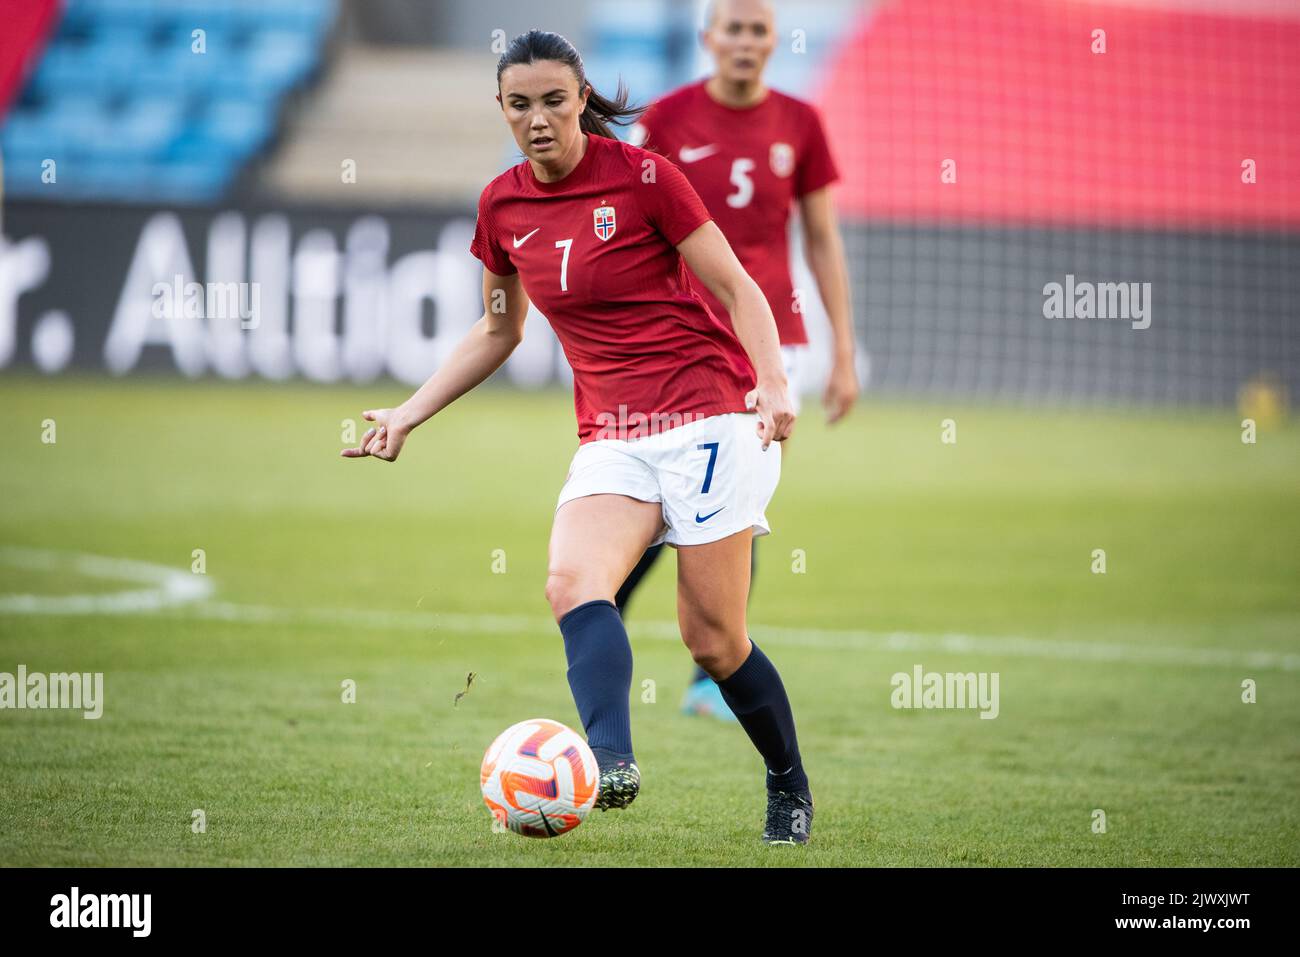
(601, 111)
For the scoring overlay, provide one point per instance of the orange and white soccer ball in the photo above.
(539, 778)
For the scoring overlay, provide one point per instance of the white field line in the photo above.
(847, 639)
(180, 594)
(170, 587)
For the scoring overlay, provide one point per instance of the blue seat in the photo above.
(208, 14)
(80, 122)
(146, 128)
(24, 166)
(219, 37)
(97, 14)
(28, 132)
(113, 56)
(64, 67)
(194, 181)
(280, 59)
(238, 126)
(197, 72)
(130, 111)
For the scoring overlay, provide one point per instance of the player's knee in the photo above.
(566, 590)
(713, 646)
(708, 657)
(559, 587)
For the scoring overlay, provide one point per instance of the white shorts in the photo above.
(793, 358)
(712, 476)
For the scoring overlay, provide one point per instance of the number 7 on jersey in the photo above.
(567, 244)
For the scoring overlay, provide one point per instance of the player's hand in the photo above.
(384, 440)
(841, 390)
(775, 411)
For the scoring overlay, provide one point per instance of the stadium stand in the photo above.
(139, 100)
(1123, 168)
(420, 123)
(420, 126)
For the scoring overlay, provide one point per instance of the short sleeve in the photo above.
(484, 246)
(816, 165)
(669, 200)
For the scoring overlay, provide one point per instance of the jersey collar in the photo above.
(575, 177)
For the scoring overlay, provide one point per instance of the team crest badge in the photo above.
(604, 222)
(781, 159)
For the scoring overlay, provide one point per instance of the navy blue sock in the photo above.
(757, 696)
(646, 562)
(600, 676)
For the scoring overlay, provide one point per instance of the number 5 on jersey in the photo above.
(743, 182)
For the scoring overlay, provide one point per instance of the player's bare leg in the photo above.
(712, 592)
(595, 541)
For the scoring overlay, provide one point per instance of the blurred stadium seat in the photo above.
(389, 105)
(133, 103)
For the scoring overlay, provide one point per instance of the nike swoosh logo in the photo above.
(519, 242)
(689, 155)
(700, 521)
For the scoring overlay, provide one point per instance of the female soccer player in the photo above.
(752, 153)
(677, 409)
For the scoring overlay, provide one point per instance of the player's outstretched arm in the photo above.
(710, 257)
(824, 252)
(485, 347)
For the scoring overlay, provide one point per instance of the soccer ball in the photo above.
(539, 778)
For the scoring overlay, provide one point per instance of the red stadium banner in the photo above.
(25, 26)
(1044, 111)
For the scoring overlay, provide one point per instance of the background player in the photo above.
(751, 153)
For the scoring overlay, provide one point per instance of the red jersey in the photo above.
(596, 253)
(748, 165)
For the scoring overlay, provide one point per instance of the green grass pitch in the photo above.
(1119, 692)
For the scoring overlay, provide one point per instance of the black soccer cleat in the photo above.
(789, 817)
(619, 784)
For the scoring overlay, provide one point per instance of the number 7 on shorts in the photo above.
(713, 458)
